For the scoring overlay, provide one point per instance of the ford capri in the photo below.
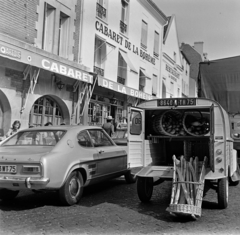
(60, 158)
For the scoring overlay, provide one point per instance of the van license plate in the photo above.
(8, 168)
(177, 102)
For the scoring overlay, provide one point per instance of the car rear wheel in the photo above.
(7, 194)
(130, 178)
(71, 192)
(145, 188)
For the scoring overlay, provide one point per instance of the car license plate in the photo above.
(8, 168)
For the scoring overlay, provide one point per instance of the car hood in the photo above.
(19, 153)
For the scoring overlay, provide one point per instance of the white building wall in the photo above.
(172, 62)
(137, 13)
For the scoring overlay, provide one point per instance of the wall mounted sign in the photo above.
(123, 42)
(103, 82)
(36, 59)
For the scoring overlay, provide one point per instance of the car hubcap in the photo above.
(74, 187)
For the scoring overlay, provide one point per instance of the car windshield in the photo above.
(43, 138)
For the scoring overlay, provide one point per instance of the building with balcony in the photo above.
(41, 77)
(122, 44)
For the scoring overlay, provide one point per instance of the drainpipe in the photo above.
(80, 34)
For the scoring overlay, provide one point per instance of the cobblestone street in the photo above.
(114, 208)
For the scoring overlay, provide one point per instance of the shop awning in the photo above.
(13, 49)
(114, 86)
(145, 74)
(128, 61)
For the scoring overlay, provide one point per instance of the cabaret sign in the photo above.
(122, 89)
(123, 42)
(66, 71)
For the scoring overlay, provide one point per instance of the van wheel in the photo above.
(223, 193)
(145, 188)
(130, 178)
(7, 194)
(71, 192)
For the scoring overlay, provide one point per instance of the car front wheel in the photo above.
(7, 194)
(71, 192)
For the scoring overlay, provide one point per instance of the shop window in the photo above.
(156, 44)
(45, 110)
(122, 70)
(99, 56)
(119, 114)
(48, 27)
(63, 35)
(101, 9)
(95, 113)
(144, 35)
(124, 17)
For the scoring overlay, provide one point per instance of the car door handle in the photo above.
(101, 151)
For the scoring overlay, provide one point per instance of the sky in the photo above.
(216, 23)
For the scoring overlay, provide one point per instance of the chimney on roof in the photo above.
(198, 46)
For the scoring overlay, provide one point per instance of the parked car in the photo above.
(120, 137)
(62, 158)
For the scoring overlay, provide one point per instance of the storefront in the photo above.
(111, 98)
(37, 86)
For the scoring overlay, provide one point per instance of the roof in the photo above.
(166, 28)
(220, 80)
(194, 59)
(157, 9)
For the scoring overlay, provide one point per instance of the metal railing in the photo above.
(123, 27)
(101, 11)
(98, 70)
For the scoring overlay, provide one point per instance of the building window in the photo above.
(48, 28)
(156, 44)
(144, 35)
(154, 84)
(178, 92)
(63, 35)
(102, 9)
(171, 88)
(119, 114)
(142, 80)
(44, 110)
(100, 56)
(124, 17)
(164, 90)
(122, 70)
(174, 56)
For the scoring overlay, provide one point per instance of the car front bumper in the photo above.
(14, 182)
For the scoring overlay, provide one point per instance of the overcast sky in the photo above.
(214, 22)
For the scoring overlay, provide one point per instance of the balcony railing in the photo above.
(123, 27)
(98, 70)
(101, 11)
(121, 80)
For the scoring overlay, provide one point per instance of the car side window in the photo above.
(83, 139)
(99, 138)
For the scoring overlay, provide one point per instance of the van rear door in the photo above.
(136, 119)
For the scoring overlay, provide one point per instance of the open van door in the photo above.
(135, 137)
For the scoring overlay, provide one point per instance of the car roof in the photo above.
(62, 127)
